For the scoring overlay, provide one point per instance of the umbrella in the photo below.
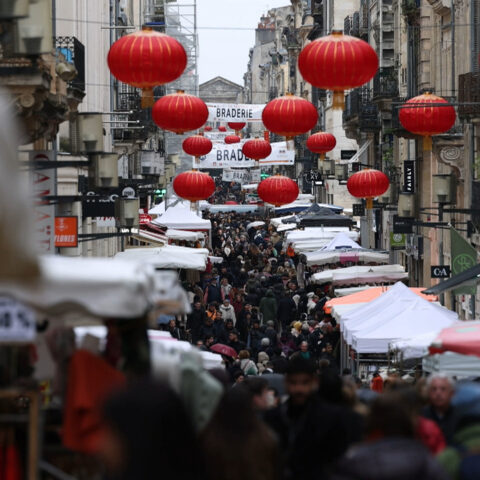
(224, 350)
(231, 202)
(255, 224)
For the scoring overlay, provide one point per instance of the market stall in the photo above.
(361, 274)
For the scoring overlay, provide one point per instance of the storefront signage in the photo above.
(397, 241)
(66, 231)
(44, 214)
(347, 154)
(409, 176)
(402, 224)
(17, 322)
(358, 209)
(228, 156)
(234, 112)
(440, 271)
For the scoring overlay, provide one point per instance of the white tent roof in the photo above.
(182, 219)
(361, 274)
(341, 240)
(101, 287)
(313, 233)
(342, 292)
(398, 313)
(173, 202)
(414, 347)
(168, 256)
(174, 234)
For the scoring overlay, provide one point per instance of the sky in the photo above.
(223, 51)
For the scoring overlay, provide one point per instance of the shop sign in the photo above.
(66, 232)
(347, 154)
(440, 271)
(358, 209)
(409, 176)
(145, 219)
(403, 224)
(397, 241)
(17, 322)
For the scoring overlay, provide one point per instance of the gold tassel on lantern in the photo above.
(369, 203)
(147, 98)
(338, 100)
(427, 143)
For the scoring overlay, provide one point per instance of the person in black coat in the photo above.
(195, 320)
(312, 434)
(212, 293)
(220, 333)
(286, 311)
(206, 330)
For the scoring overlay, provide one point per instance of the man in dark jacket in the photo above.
(195, 320)
(234, 342)
(206, 330)
(268, 307)
(219, 330)
(312, 434)
(287, 308)
(212, 293)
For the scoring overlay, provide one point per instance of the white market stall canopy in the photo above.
(101, 287)
(343, 292)
(182, 219)
(414, 347)
(315, 234)
(344, 249)
(174, 234)
(167, 257)
(397, 314)
(361, 274)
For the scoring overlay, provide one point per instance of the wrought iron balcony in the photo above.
(469, 95)
(385, 84)
(360, 111)
(397, 127)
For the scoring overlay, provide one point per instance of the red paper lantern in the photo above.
(232, 139)
(146, 59)
(197, 145)
(338, 62)
(257, 149)
(237, 126)
(321, 143)
(194, 185)
(180, 112)
(222, 129)
(289, 116)
(368, 183)
(278, 190)
(427, 115)
(208, 128)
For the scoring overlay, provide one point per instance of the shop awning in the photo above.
(472, 275)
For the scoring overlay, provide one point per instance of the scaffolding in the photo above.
(179, 20)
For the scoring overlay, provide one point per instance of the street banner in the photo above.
(235, 112)
(242, 176)
(464, 256)
(216, 137)
(231, 156)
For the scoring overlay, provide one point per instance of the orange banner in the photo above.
(66, 231)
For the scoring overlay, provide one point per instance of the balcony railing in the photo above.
(469, 95)
(385, 84)
(359, 108)
(74, 52)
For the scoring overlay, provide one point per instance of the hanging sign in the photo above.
(17, 322)
(402, 224)
(44, 213)
(409, 176)
(66, 231)
(234, 112)
(440, 271)
(228, 156)
(398, 241)
(358, 209)
(242, 176)
(216, 137)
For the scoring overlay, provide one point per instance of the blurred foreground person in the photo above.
(236, 444)
(148, 435)
(391, 451)
(312, 434)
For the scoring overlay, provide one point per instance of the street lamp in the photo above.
(443, 188)
(89, 129)
(105, 170)
(406, 204)
(11, 9)
(126, 212)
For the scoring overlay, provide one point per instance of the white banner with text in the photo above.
(235, 112)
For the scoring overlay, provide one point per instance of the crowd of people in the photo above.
(319, 422)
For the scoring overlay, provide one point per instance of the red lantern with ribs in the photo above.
(257, 149)
(427, 115)
(321, 143)
(368, 184)
(193, 185)
(278, 190)
(180, 112)
(338, 62)
(289, 116)
(232, 139)
(146, 59)
(237, 126)
(198, 146)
